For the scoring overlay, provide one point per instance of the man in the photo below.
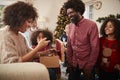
(82, 43)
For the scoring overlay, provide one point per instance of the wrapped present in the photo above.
(50, 61)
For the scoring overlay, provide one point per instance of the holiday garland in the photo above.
(100, 19)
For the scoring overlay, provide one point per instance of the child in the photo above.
(35, 37)
(38, 35)
(109, 59)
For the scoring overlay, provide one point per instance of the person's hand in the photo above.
(117, 67)
(43, 43)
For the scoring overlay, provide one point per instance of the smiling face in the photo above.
(109, 29)
(73, 15)
(27, 24)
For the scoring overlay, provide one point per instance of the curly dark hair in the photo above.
(116, 24)
(46, 33)
(77, 5)
(34, 36)
(16, 14)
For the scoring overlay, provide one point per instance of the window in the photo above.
(89, 10)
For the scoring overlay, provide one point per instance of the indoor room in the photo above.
(51, 38)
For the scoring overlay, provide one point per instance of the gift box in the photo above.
(60, 47)
(50, 61)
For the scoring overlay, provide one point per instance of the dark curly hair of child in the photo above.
(46, 33)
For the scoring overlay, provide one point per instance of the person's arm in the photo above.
(42, 43)
(48, 52)
(69, 52)
(10, 53)
(94, 44)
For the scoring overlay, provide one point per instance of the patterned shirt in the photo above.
(109, 54)
(83, 44)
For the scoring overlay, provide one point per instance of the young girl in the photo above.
(38, 35)
(35, 38)
(109, 59)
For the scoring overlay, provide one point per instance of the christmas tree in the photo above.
(61, 23)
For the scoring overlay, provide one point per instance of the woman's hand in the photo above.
(42, 43)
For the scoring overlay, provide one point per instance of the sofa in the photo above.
(23, 71)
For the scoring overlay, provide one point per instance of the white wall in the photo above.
(49, 9)
(8, 2)
(108, 7)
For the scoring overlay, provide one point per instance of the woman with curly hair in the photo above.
(109, 59)
(18, 17)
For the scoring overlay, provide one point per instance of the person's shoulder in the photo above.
(90, 24)
(89, 21)
(5, 35)
(4, 29)
(102, 38)
(22, 34)
(4, 32)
